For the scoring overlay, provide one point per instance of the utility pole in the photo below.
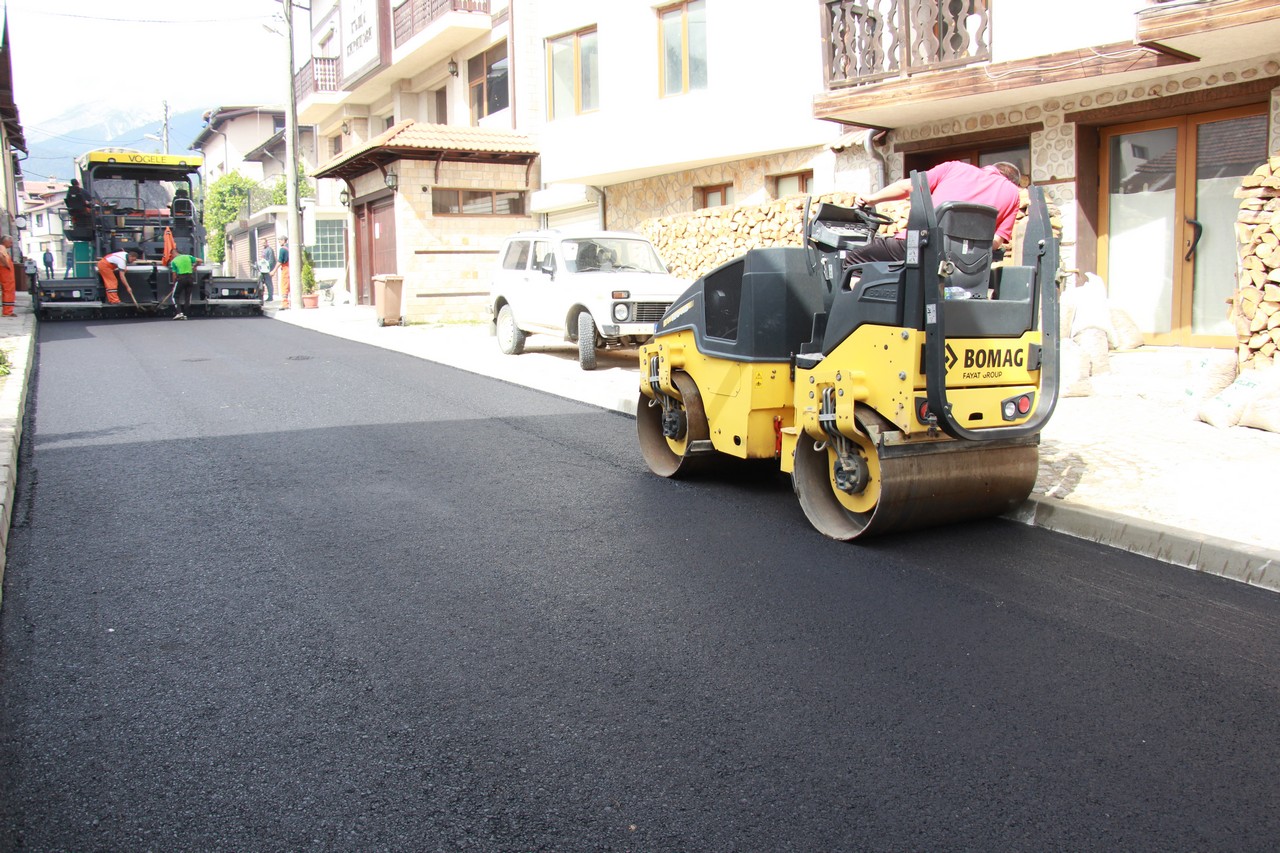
(165, 127)
(291, 171)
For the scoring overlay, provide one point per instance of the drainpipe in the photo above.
(882, 168)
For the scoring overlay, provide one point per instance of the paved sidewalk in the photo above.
(1128, 466)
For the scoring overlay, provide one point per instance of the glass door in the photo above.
(1167, 248)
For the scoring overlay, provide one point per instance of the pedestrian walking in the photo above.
(8, 286)
(283, 268)
(48, 264)
(183, 268)
(266, 266)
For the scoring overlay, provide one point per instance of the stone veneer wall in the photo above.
(629, 205)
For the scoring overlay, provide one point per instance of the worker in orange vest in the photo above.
(8, 287)
(283, 269)
(111, 269)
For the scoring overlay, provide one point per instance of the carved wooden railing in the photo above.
(870, 40)
(321, 74)
(412, 17)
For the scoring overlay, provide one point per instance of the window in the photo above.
(792, 184)
(715, 196)
(517, 256)
(683, 45)
(1016, 152)
(487, 77)
(39, 220)
(389, 122)
(574, 63)
(330, 249)
(335, 145)
(449, 202)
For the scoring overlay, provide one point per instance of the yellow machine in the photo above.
(897, 395)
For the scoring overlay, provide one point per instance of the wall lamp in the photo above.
(346, 128)
(391, 180)
(344, 197)
(453, 68)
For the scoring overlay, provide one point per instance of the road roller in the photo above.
(897, 395)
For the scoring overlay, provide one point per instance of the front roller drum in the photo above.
(673, 440)
(910, 488)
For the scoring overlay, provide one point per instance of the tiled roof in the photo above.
(418, 140)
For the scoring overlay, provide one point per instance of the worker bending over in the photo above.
(111, 269)
(183, 267)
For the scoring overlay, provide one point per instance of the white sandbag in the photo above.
(1091, 309)
(1128, 335)
(1263, 411)
(1225, 408)
(1093, 343)
(1073, 371)
(1208, 374)
(1066, 310)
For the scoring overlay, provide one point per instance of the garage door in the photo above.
(579, 218)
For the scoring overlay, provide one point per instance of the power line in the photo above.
(143, 20)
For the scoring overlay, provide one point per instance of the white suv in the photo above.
(603, 288)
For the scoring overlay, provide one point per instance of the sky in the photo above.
(136, 54)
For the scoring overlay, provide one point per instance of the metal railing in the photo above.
(414, 16)
(865, 41)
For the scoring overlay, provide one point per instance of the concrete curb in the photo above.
(1234, 560)
(20, 347)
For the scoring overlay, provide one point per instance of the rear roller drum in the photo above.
(667, 435)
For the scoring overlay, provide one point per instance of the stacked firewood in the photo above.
(1255, 308)
(693, 244)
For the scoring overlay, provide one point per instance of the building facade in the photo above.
(1139, 117)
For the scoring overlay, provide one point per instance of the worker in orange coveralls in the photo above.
(283, 269)
(7, 286)
(111, 269)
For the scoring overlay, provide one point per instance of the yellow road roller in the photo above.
(897, 395)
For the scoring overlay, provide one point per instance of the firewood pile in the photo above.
(1255, 307)
(693, 244)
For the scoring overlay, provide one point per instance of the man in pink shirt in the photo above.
(997, 186)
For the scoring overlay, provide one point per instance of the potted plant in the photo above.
(310, 299)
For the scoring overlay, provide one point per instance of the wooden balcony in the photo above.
(321, 74)
(869, 41)
(415, 16)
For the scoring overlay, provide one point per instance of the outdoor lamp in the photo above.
(453, 68)
(391, 180)
(344, 197)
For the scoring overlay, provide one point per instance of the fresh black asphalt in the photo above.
(272, 590)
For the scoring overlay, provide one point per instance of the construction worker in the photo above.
(8, 287)
(183, 267)
(283, 269)
(111, 269)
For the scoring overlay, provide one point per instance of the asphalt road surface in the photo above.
(272, 590)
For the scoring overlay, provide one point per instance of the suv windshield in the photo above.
(605, 254)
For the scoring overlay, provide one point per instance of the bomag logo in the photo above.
(679, 312)
(990, 357)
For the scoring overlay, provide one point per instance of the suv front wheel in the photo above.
(586, 341)
(510, 336)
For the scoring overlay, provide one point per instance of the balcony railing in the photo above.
(321, 74)
(414, 16)
(870, 40)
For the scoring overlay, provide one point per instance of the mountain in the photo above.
(53, 145)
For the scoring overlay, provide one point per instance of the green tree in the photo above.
(224, 200)
(280, 190)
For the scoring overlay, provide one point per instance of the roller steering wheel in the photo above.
(871, 216)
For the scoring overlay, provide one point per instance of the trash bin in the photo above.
(386, 299)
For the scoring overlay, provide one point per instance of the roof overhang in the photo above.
(410, 140)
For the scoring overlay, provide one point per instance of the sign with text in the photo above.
(362, 24)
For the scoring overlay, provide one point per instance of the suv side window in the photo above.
(517, 256)
(542, 252)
